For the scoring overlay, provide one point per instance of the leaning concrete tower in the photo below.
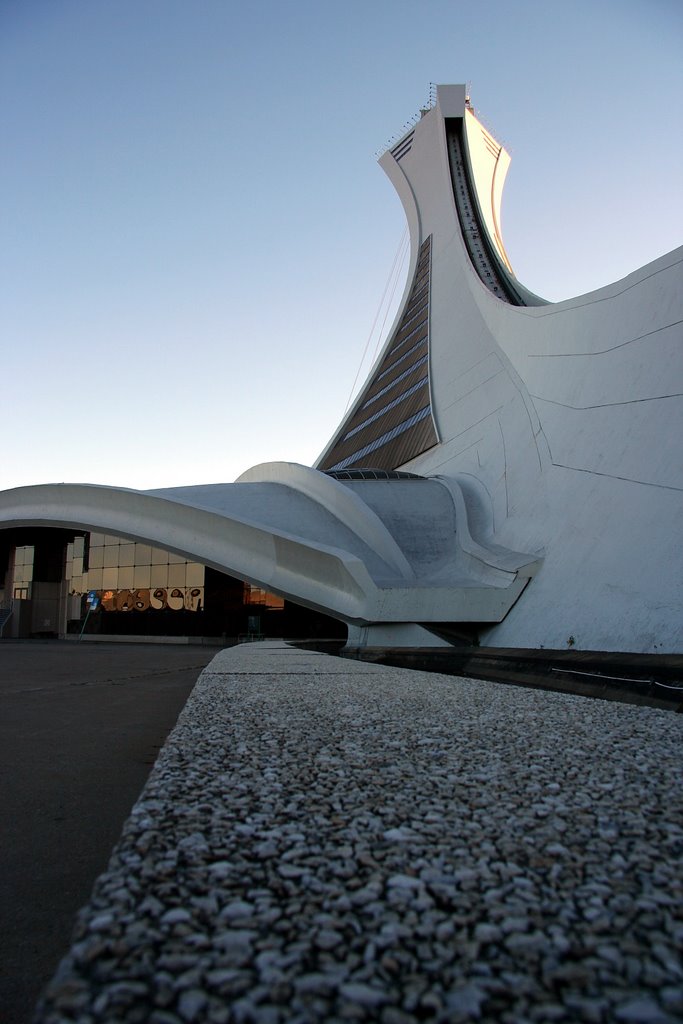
(560, 422)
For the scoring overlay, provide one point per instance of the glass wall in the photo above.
(258, 596)
(23, 572)
(141, 591)
(129, 576)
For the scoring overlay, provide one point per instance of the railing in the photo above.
(410, 123)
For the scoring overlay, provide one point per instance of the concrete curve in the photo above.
(321, 577)
(340, 501)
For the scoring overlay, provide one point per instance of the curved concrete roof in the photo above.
(356, 550)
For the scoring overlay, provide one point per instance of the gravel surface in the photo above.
(323, 840)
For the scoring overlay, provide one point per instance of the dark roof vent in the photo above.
(371, 474)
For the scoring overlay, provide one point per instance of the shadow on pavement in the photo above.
(80, 729)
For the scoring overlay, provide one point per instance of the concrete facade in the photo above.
(569, 415)
(545, 504)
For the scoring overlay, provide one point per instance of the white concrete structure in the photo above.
(534, 442)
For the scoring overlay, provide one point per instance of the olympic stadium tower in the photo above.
(509, 475)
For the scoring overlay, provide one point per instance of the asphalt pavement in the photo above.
(80, 728)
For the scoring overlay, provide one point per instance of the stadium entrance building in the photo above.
(59, 584)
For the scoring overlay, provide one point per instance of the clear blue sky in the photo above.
(196, 235)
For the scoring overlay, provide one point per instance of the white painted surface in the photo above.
(570, 416)
(490, 163)
(340, 501)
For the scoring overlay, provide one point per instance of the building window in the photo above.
(131, 576)
(263, 598)
(23, 572)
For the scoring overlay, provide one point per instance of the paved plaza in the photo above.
(80, 727)
(325, 841)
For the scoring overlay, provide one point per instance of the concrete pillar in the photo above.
(392, 634)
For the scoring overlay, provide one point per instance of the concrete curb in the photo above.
(322, 840)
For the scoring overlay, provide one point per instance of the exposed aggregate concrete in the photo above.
(330, 841)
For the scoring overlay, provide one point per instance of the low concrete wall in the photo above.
(655, 680)
(325, 840)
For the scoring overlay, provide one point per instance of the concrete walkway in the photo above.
(331, 841)
(80, 728)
